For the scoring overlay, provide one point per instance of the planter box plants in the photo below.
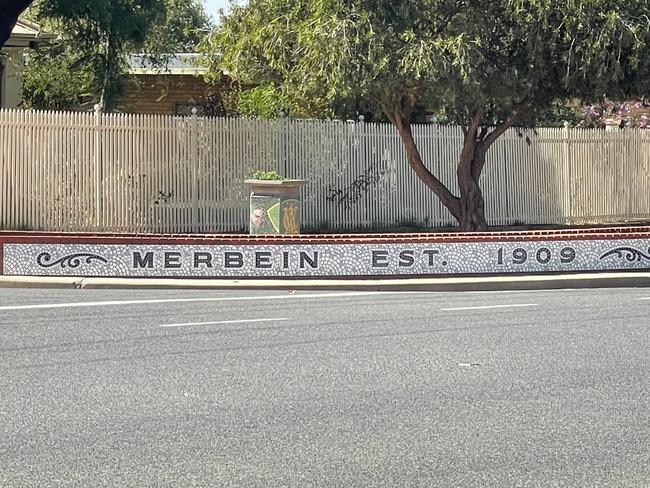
(274, 203)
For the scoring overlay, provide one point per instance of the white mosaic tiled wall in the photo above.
(324, 260)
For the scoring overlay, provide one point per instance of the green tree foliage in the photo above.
(264, 101)
(90, 58)
(56, 79)
(180, 30)
(484, 65)
(102, 33)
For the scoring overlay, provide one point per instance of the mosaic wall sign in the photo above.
(326, 260)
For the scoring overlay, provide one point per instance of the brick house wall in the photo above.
(166, 94)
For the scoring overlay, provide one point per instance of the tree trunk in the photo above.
(469, 208)
(107, 96)
(472, 204)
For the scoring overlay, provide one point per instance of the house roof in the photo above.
(26, 28)
(25, 32)
(176, 64)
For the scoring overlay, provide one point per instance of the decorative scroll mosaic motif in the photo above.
(323, 260)
(45, 260)
(628, 253)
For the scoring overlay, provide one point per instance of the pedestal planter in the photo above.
(275, 206)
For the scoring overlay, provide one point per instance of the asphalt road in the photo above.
(542, 389)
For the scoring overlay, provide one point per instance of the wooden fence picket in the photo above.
(184, 174)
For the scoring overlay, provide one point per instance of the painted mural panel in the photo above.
(265, 215)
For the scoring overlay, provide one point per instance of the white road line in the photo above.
(193, 300)
(245, 321)
(644, 298)
(512, 292)
(514, 305)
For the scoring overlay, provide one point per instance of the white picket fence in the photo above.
(145, 173)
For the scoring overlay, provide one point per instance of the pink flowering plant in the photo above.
(632, 113)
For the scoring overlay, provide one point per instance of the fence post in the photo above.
(360, 134)
(631, 189)
(98, 166)
(567, 176)
(284, 165)
(194, 150)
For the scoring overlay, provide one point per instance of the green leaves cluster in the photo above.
(456, 55)
(55, 79)
(268, 175)
(99, 34)
(95, 38)
(181, 29)
(263, 101)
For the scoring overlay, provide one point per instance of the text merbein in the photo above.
(269, 260)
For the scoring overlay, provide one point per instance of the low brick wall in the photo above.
(325, 256)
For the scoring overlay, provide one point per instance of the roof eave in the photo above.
(173, 71)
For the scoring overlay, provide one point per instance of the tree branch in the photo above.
(469, 142)
(443, 25)
(518, 112)
(474, 124)
(415, 161)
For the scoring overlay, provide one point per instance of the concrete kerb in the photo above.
(478, 283)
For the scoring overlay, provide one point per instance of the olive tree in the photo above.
(487, 66)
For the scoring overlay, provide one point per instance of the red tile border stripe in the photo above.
(630, 232)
